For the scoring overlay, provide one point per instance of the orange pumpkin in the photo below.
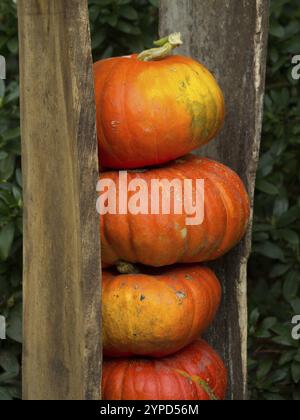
(195, 373)
(164, 239)
(154, 108)
(157, 313)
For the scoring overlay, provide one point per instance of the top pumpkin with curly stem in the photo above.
(153, 107)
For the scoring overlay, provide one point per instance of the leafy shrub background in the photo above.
(122, 26)
(275, 264)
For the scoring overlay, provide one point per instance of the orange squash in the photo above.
(195, 373)
(159, 312)
(154, 108)
(165, 239)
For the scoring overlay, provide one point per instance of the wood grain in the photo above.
(230, 38)
(62, 327)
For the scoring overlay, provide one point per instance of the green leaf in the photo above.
(5, 395)
(2, 88)
(9, 363)
(7, 167)
(291, 286)
(154, 3)
(267, 187)
(13, 45)
(264, 369)
(279, 375)
(278, 270)
(3, 155)
(6, 239)
(281, 206)
(289, 217)
(19, 177)
(291, 45)
(122, 2)
(289, 236)
(98, 39)
(287, 357)
(108, 52)
(128, 12)
(264, 329)
(295, 304)
(112, 20)
(14, 328)
(277, 30)
(11, 134)
(128, 28)
(284, 336)
(270, 250)
(283, 341)
(296, 372)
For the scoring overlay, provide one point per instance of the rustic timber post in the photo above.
(230, 38)
(62, 331)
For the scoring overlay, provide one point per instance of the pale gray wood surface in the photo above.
(230, 38)
(62, 315)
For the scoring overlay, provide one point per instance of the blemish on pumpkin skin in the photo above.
(115, 124)
(182, 85)
(188, 277)
(184, 233)
(142, 298)
(181, 295)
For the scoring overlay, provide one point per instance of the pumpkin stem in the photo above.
(126, 268)
(164, 48)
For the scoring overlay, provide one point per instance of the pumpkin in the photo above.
(165, 239)
(195, 373)
(152, 108)
(158, 312)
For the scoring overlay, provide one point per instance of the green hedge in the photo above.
(10, 206)
(122, 26)
(275, 264)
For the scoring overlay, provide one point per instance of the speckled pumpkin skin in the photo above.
(157, 314)
(149, 113)
(195, 373)
(160, 240)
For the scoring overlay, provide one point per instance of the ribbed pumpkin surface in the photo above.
(160, 240)
(195, 373)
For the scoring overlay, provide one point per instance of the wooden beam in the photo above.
(230, 38)
(62, 331)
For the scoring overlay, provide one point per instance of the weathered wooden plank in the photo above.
(62, 327)
(230, 37)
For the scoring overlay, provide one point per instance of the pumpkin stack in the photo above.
(153, 109)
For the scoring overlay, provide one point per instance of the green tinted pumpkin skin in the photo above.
(158, 312)
(149, 113)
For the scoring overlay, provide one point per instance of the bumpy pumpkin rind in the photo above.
(195, 373)
(157, 314)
